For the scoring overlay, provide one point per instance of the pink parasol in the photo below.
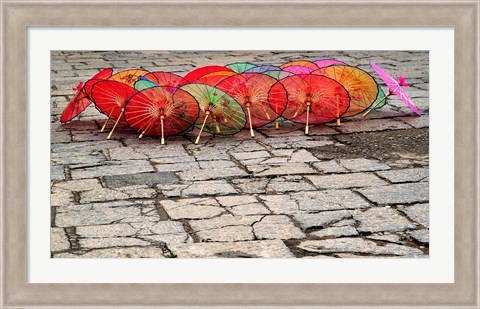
(394, 87)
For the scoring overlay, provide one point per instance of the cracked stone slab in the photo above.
(123, 193)
(125, 153)
(177, 167)
(280, 203)
(288, 184)
(418, 213)
(345, 181)
(148, 179)
(60, 197)
(422, 236)
(358, 245)
(277, 227)
(227, 234)
(75, 159)
(58, 240)
(209, 187)
(126, 252)
(302, 156)
(416, 122)
(278, 170)
(336, 231)
(312, 201)
(405, 175)
(331, 166)
(57, 172)
(296, 142)
(211, 173)
(321, 219)
(249, 155)
(192, 208)
(385, 237)
(382, 219)
(106, 213)
(121, 168)
(251, 186)
(259, 249)
(363, 165)
(372, 125)
(397, 193)
(79, 185)
(95, 243)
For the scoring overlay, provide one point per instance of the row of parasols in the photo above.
(226, 99)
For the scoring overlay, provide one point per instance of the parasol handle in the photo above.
(104, 125)
(338, 122)
(276, 123)
(141, 135)
(250, 121)
(162, 141)
(201, 129)
(217, 127)
(373, 107)
(308, 113)
(338, 112)
(116, 123)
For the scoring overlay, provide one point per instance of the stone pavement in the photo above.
(359, 190)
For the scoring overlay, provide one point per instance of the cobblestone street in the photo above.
(358, 190)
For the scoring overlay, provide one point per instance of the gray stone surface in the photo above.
(363, 165)
(148, 179)
(234, 196)
(397, 194)
(344, 181)
(381, 219)
(260, 249)
(192, 208)
(405, 175)
(277, 227)
(358, 245)
(418, 213)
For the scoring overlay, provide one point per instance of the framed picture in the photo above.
(76, 226)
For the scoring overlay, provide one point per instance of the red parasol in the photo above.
(394, 87)
(314, 99)
(166, 79)
(157, 111)
(197, 73)
(110, 98)
(81, 99)
(250, 90)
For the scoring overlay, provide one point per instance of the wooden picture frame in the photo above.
(17, 16)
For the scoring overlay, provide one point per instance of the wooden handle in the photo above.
(162, 141)
(338, 122)
(116, 123)
(308, 113)
(250, 121)
(104, 125)
(276, 123)
(373, 107)
(201, 129)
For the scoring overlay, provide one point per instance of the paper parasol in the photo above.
(395, 87)
(219, 112)
(110, 98)
(250, 90)
(81, 100)
(314, 99)
(157, 111)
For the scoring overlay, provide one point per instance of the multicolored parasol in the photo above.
(81, 100)
(156, 111)
(214, 78)
(271, 70)
(394, 87)
(240, 67)
(323, 63)
(361, 86)
(219, 112)
(300, 63)
(250, 90)
(314, 99)
(110, 98)
(128, 77)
